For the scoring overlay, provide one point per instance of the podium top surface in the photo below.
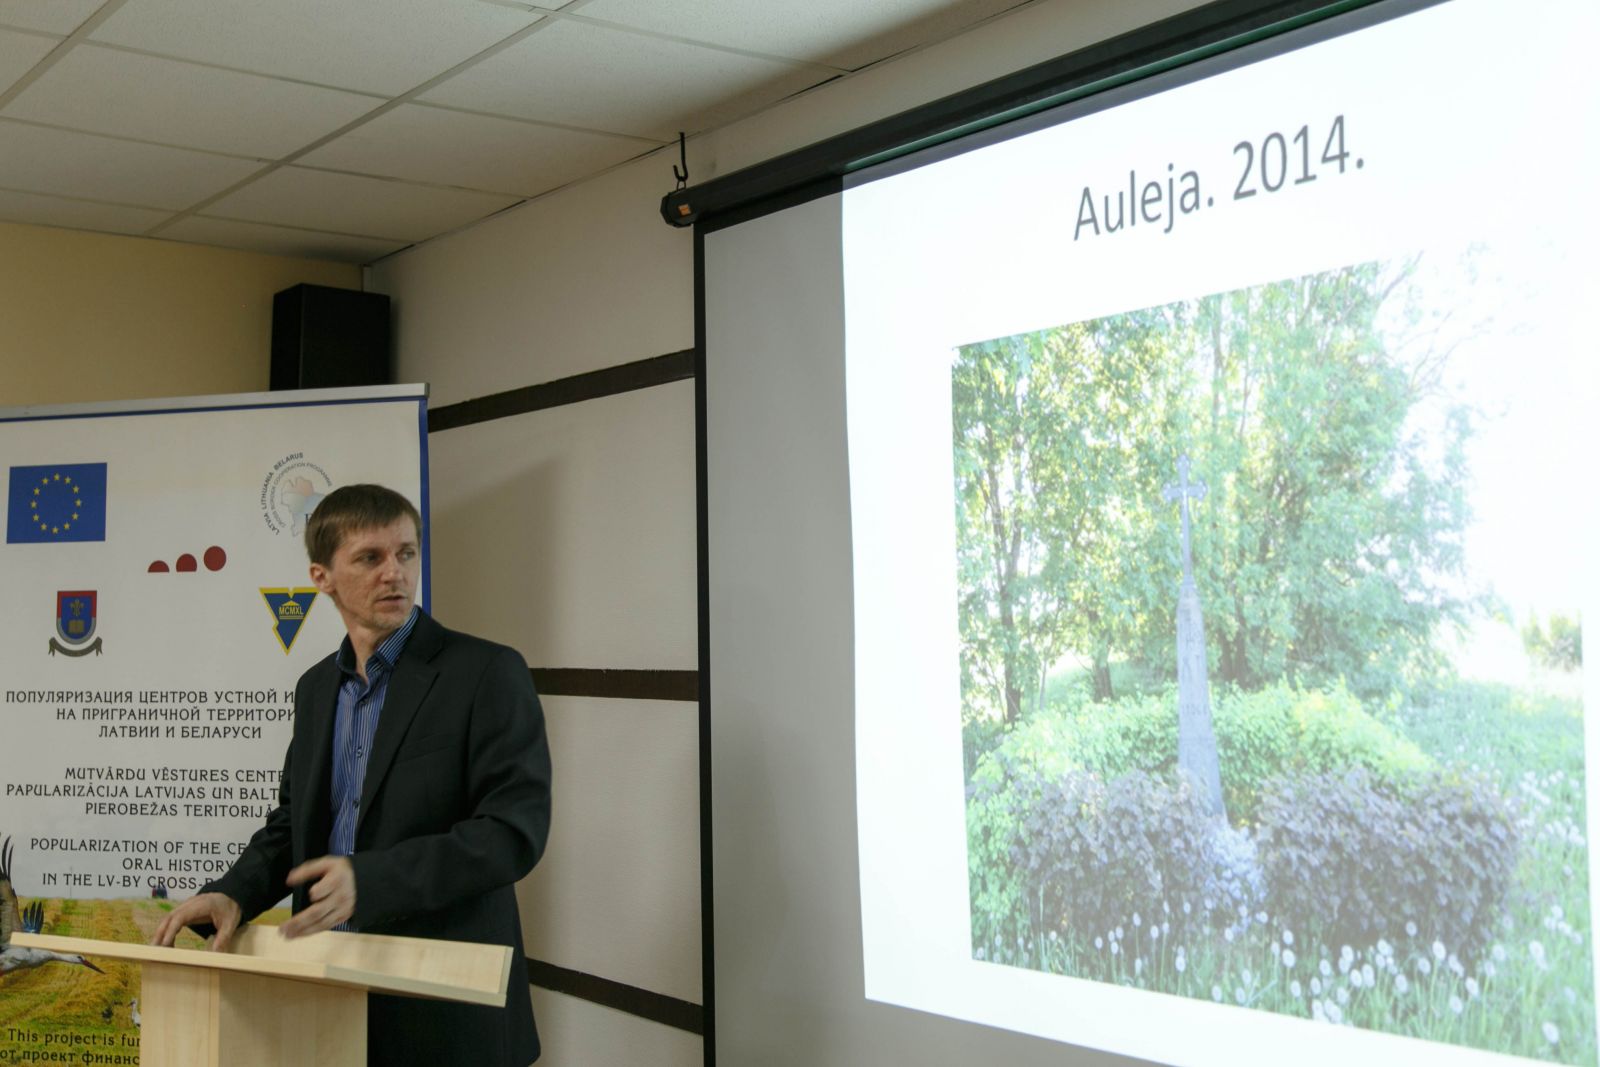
(404, 966)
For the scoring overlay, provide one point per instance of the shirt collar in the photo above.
(387, 654)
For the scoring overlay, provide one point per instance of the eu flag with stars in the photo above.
(64, 502)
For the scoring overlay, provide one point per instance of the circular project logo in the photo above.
(290, 492)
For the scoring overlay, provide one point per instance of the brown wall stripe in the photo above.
(628, 685)
(657, 1007)
(608, 381)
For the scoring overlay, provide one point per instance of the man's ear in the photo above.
(321, 578)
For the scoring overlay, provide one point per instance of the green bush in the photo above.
(1070, 853)
(1280, 730)
(1350, 858)
(1260, 736)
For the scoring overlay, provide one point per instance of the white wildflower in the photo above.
(1455, 1004)
(1384, 948)
(1438, 951)
(1411, 929)
(1335, 1015)
(1316, 985)
(1326, 968)
(1288, 937)
(1181, 963)
(1099, 943)
(1136, 919)
(1489, 969)
(1551, 1034)
(1401, 985)
(1499, 953)
(1216, 993)
(1288, 957)
(1239, 994)
(1294, 989)
(1472, 988)
(1424, 967)
(1317, 1011)
(1355, 978)
(1342, 995)
(1368, 977)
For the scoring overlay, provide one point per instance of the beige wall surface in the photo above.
(88, 316)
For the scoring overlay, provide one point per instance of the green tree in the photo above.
(1047, 427)
(1560, 647)
(1330, 544)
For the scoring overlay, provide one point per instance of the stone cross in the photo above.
(1183, 490)
(1197, 739)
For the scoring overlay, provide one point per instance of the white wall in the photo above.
(570, 532)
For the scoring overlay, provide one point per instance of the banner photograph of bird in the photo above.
(26, 920)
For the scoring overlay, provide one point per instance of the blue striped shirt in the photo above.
(354, 725)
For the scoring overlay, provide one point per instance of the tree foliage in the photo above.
(1328, 549)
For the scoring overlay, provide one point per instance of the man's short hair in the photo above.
(350, 508)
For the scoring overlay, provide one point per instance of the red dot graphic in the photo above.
(216, 559)
(159, 567)
(186, 563)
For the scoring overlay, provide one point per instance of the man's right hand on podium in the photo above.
(216, 909)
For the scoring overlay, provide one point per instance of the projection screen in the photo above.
(1148, 556)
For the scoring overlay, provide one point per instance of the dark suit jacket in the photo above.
(454, 810)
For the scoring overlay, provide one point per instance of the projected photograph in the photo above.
(1272, 654)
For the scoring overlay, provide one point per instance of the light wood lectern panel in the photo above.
(267, 1002)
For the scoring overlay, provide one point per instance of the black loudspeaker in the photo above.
(323, 338)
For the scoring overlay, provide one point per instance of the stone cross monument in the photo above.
(1197, 741)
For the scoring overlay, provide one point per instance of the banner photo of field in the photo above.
(160, 614)
(1272, 653)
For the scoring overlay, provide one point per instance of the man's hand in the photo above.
(333, 897)
(219, 910)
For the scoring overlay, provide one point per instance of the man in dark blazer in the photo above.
(415, 793)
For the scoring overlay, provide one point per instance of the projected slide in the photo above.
(1223, 546)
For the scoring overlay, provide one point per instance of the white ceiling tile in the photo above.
(845, 33)
(580, 74)
(382, 46)
(76, 214)
(50, 16)
(99, 168)
(373, 207)
(18, 54)
(280, 241)
(427, 144)
(128, 95)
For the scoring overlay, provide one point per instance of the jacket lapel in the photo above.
(413, 677)
(311, 803)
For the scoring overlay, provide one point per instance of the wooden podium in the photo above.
(267, 1002)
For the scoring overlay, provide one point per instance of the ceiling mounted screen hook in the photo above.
(683, 157)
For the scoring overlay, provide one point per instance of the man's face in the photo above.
(373, 576)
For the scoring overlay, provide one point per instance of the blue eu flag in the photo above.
(64, 502)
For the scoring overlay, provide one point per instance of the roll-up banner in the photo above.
(157, 613)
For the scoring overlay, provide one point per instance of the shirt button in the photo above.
(359, 753)
(355, 802)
